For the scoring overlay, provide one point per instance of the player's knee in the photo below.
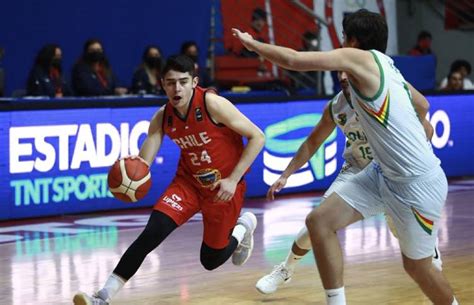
(416, 269)
(209, 263)
(315, 223)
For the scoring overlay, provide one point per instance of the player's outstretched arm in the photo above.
(345, 59)
(359, 64)
(422, 106)
(153, 141)
(224, 112)
(318, 135)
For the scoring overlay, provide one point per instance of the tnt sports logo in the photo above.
(441, 135)
(283, 140)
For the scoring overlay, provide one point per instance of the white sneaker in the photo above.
(270, 282)
(436, 259)
(82, 298)
(244, 250)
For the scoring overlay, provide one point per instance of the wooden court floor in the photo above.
(47, 261)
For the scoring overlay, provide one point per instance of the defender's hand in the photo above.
(245, 38)
(276, 187)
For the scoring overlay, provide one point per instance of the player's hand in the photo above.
(226, 189)
(136, 157)
(276, 187)
(245, 38)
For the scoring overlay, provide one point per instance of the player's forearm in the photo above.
(149, 149)
(304, 153)
(251, 151)
(281, 56)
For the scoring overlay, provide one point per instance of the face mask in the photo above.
(56, 63)
(95, 56)
(193, 57)
(153, 62)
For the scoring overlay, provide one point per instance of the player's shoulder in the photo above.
(159, 114)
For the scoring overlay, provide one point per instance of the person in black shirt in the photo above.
(92, 74)
(146, 79)
(45, 77)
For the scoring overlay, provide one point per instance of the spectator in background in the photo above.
(258, 30)
(146, 79)
(45, 77)
(423, 44)
(455, 82)
(92, 74)
(307, 80)
(190, 49)
(464, 67)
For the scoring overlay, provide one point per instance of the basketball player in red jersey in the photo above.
(209, 131)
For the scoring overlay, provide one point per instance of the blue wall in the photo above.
(125, 28)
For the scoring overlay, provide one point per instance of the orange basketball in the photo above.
(129, 179)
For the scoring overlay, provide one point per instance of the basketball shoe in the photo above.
(82, 298)
(244, 249)
(271, 282)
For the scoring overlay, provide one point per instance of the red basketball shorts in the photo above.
(183, 199)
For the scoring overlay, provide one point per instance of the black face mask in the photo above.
(56, 63)
(95, 56)
(153, 62)
(194, 58)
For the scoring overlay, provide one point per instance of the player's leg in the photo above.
(431, 281)
(417, 225)
(177, 204)
(224, 230)
(356, 199)
(436, 260)
(159, 226)
(323, 222)
(282, 273)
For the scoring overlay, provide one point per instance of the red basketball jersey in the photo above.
(209, 151)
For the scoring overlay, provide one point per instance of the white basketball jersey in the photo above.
(357, 151)
(392, 126)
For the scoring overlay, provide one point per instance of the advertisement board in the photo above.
(56, 161)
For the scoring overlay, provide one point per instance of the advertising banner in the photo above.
(56, 161)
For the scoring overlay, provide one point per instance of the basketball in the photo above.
(129, 179)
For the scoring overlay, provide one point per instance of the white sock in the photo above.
(292, 260)
(113, 285)
(239, 232)
(455, 302)
(335, 296)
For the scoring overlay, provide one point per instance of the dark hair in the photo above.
(180, 63)
(424, 34)
(259, 13)
(148, 48)
(368, 28)
(45, 56)
(186, 45)
(459, 63)
(88, 43)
